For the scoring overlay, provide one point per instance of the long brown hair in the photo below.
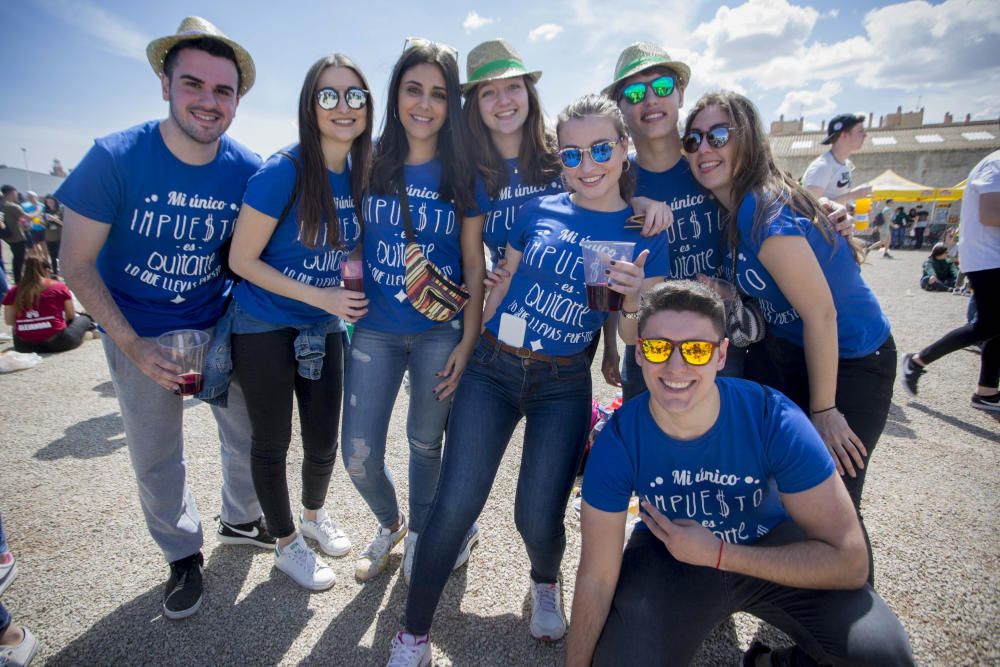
(315, 196)
(34, 280)
(393, 147)
(754, 171)
(537, 158)
(602, 106)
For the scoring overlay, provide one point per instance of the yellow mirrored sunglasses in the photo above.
(695, 352)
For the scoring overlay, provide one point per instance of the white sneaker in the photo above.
(330, 538)
(376, 555)
(302, 564)
(8, 571)
(471, 539)
(410, 651)
(547, 620)
(409, 549)
(5, 337)
(22, 654)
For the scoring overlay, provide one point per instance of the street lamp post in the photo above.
(27, 173)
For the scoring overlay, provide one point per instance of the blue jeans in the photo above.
(374, 372)
(497, 390)
(898, 237)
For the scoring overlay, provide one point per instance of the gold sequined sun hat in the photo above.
(641, 56)
(495, 59)
(195, 27)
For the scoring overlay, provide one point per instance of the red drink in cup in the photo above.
(352, 274)
(186, 348)
(597, 257)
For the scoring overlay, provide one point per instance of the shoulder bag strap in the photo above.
(404, 211)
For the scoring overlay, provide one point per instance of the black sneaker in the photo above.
(182, 596)
(987, 403)
(911, 373)
(253, 533)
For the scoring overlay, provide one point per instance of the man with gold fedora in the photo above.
(147, 212)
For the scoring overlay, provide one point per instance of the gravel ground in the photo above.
(91, 578)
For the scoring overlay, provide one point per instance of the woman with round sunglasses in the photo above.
(828, 346)
(299, 220)
(423, 150)
(531, 363)
(516, 161)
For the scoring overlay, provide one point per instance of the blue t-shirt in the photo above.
(545, 309)
(861, 325)
(268, 192)
(499, 220)
(168, 220)
(728, 479)
(695, 238)
(437, 228)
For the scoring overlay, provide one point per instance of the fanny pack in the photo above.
(429, 291)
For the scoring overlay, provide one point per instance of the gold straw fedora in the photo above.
(495, 59)
(195, 27)
(641, 56)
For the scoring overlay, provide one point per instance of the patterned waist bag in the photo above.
(428, 290)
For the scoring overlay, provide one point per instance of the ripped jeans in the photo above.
(372, 376)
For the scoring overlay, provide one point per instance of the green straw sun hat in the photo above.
(494, 59)
(641, 56)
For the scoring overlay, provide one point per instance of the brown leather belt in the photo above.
(525, 353)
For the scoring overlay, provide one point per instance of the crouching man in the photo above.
(742, 510)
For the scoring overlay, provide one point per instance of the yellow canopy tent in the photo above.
(954, 193)
(890, 185)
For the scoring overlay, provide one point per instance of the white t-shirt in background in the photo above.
(979, 245)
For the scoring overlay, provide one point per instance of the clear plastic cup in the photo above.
(597, 256)
(352, 273)
(186, 348)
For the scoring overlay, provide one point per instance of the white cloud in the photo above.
(473, 21)
(748, 34)
(113, 34)
(945, 44)
(799, 103)
(546, 32)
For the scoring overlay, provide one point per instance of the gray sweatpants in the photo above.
(154, 431)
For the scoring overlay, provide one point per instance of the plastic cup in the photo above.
(352, 273)
(186, 348)
(597, 256)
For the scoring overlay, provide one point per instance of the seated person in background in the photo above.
(743, 510)
(940, 273)
(41, 312)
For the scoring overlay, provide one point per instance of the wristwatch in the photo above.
(629, 315)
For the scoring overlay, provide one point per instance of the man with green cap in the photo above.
(648, 86)
(147, 213)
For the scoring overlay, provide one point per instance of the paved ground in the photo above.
(91, 578)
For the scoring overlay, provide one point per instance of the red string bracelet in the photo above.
(718, 562)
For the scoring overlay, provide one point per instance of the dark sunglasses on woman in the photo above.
(717, 138)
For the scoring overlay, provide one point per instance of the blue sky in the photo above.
(78, 67)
